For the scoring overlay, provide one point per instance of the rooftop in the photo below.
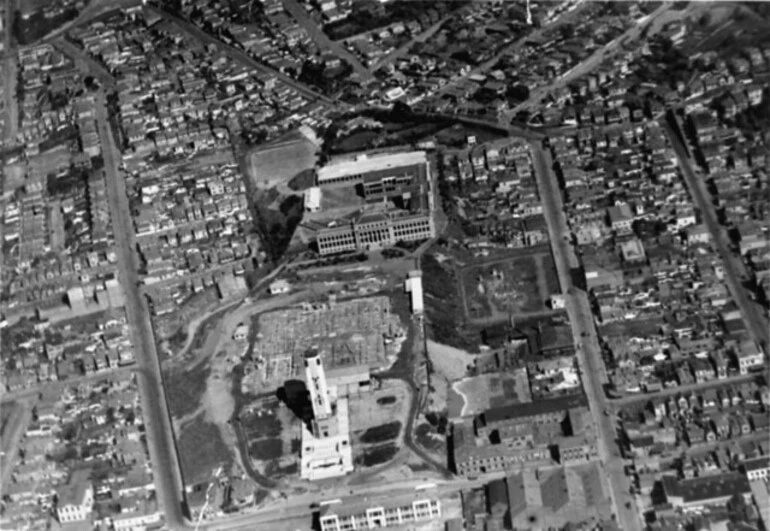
(73, 492)
(531, 409)
(364, 163)
(757, 463)
(706, 488)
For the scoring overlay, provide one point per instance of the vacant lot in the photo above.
(277, 163)
(490, 390)
(428, 437)
(377, 418)
(185, 388)
(450, 362)
(201, 450)
(272, 433)
(444, 305)
(515, 286)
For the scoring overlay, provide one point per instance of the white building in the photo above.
(75, 499)
(749, 355)
(326, 450)
(279, 286)
(414, 288)
(312, 199)
(398, 513)
(137, 514)
(757, 468)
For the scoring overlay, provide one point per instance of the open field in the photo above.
(520, 285)
(376, 419)
(278, 163)
(450, 362)
(444, 305)
(273, 434)
(201, 450)
(490, 390)
(185, 388)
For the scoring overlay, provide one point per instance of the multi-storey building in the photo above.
(398, 203)
(506, 437)
(395, 514)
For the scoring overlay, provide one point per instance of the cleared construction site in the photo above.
(362, 333)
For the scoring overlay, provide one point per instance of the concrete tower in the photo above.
(324, 422)
(326, 450)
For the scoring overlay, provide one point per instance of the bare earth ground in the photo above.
(364, 413)
(475, 391)
(450, 362)
(276, 164)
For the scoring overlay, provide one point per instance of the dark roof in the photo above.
(757, 463)
(497, 496)
(532, 409)
(707, 488)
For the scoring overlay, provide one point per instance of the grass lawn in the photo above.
(201, 450)
(184, 388)
(443, 306)
(382, 433)
(262, 449)
(428, 438)
(378, 455)
(517, 285)
(261, 426)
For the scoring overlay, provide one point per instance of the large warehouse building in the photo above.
(396, 194)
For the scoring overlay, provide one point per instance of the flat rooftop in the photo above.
(364, 163)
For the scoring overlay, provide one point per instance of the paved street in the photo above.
(243, 58)
(297, 10)
(486, 65)
(673, 391)
(589, 64)
(85, 62)
(404, 48)
(93, 9)
(733, 266)
(10, 77)
(299, 506)
(588, 354)
(12, 432)
(168, 481)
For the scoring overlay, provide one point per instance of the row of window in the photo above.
(380, 518)
(342, 179)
